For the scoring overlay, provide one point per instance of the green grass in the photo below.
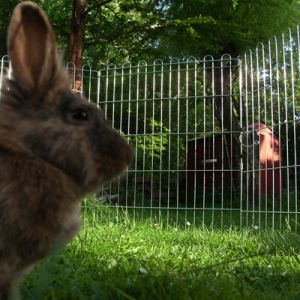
(116, 257)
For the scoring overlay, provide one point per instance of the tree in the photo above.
(80, 12)
(201, 27)
(123, 30)
(215, 27)
(76, 43)
(101, 30)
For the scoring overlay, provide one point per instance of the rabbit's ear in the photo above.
(32, 47)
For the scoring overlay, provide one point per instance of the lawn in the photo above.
(118, 257)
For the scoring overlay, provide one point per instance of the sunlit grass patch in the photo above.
(115, 257)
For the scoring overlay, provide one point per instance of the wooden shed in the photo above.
(213, 159)
(269, 174)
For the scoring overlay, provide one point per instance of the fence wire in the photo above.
(216, 141)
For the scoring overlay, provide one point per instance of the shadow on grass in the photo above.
(66, 278)
(182, 255)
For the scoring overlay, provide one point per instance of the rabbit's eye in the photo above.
(80, 114)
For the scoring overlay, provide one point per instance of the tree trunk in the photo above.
(225, 102)
(225, 106)
(76, 44)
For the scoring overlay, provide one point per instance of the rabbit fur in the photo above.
(55, 147)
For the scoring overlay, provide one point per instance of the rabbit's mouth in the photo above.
(92, 183)
(112, 164)
(108, 169)
(112, 172)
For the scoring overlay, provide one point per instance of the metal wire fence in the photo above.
(216, 141)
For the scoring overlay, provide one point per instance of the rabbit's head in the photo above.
(39, 113)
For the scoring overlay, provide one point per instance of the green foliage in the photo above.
(134, 30)
(153, 146)
(6, 8)
(194, 27)
(59, 12)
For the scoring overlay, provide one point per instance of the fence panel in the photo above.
(270, 123)
(180, 117)
(216, 141)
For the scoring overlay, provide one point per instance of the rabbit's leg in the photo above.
(5, 289)
(6, 278)
(10, 278)
(18, 276)
(15, 294)
(9, 293)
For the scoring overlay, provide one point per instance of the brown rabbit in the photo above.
(54, 148)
